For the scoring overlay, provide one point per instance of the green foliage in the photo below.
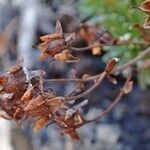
(117, 16)
(144, 78)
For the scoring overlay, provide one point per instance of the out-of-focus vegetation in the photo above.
(117, 16)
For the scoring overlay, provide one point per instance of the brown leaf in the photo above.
(27, 95)
(40, 123)
(70, 124)
(110, 65)
(65, 56)
(145, 6)
(51, 37)
(34, 103)
(42, 110)
(55, 104)
(12, 89)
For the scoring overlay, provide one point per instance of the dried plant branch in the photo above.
(30, 99)
(118, 69)
(64, 80)
(133, 61)
(98, 81)
(121, 42)
(113, 104)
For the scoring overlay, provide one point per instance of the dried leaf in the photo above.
(65, 56)
(40, 123)
(55, 104)
(145, 6)
(34, 103)
(111, 64)
(42, 110)
(27, 95)
(51, 37)
(12, 89)
(70, 123)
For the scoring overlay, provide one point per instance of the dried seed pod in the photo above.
(57, 45)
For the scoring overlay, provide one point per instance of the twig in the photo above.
(113, 104)
(63, 80)
(123, 42)
(133, 61)
(99, 80)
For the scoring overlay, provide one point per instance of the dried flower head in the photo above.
(57, 45)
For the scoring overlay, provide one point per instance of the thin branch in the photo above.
(99, 80)
(113, 104)
(123, 42)
(63, 80)
(133, 61)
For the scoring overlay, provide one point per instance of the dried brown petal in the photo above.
(27, 95)
(111, 64)
(54, 44)
(65, 56)
(34, 103)
(40, 123)
(55, 104)
(50, 37)
(145, 6)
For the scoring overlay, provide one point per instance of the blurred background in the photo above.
(127, 127)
